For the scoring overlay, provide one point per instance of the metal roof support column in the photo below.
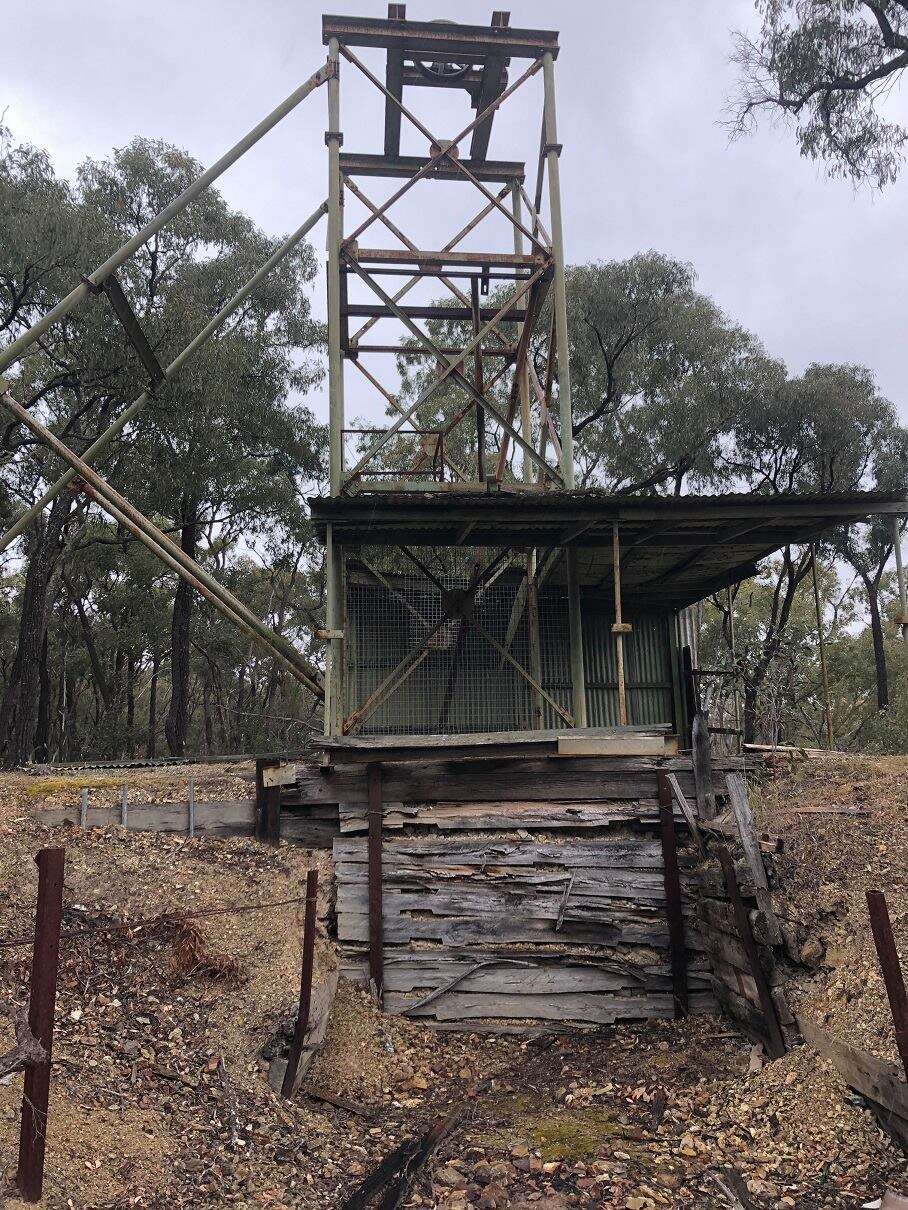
(526, 426)
(334, 558)
(900, 574)
(552, 150)
(334, 138)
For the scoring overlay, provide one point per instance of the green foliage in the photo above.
(828, 66)
(228, 449)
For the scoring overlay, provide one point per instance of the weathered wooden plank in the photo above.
(541, 980)
(460, 900)
(874, 1078)
(718, 915)
(347, 745)
(617, 930)
(728, 949)
(611, 745)
(600, 1010)
(314, 1037)
(216, 818)
(643, 852)
(539, 779)
(747, 834)
(502, 816)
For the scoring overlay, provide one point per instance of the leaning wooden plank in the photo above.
(686, 809)
(314, 1038)
(874, 1078)
(613, 745)
(747, 833)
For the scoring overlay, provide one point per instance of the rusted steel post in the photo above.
(376, 931)
(302, 1018)
(672, 878)
(775, 1039)
(892, 970)
(42, 1003)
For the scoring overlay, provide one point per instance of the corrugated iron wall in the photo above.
(463, 685)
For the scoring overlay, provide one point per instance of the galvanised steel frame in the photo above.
(474, 58)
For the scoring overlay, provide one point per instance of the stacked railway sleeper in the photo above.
(517, 892)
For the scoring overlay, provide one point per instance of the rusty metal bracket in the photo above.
(556, 147)
(334, 136)
(133, 329)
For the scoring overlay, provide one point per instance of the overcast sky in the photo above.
(813, 268)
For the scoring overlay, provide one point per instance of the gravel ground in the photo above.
(160, 1094)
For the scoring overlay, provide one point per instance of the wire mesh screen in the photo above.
(460, 683)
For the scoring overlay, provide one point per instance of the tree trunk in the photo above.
(177, 722)
(750, 713)
(206, 712)
(19, 709)
(130, 702)
(42, 727)
(151, 745)
(879, 651)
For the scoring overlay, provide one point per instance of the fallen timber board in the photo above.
(600, 1010)
(873, 1078)
(314, 1038)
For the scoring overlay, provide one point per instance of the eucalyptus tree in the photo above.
(823, 432)
(828, 67)
(660, 376)
(230, 442)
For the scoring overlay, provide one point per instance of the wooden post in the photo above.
(827, 710)
(736, 695)
(703, 767)
(124, 805)
(892, 970)
(376, 931)
(267, 803)
(190, 806)
(302, 1018)
(691, 696)
(676, 941)
(775, 1040)
(42, 1004)
(259, 828)
(83, 808)
(273, 814)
